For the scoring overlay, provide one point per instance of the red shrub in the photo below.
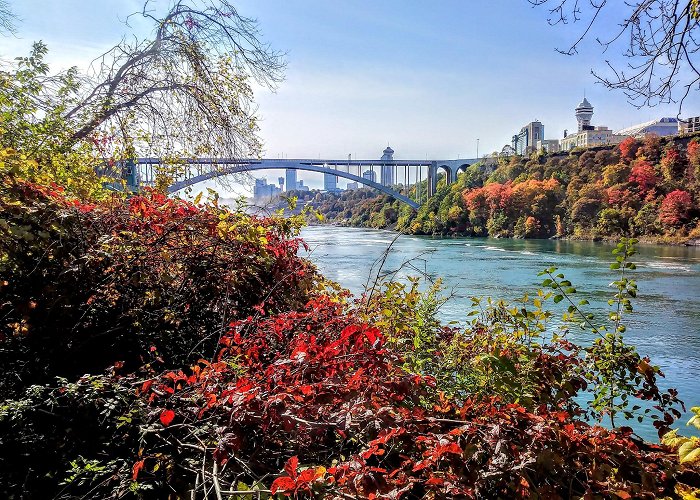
(644, 175)
(675, 208)
(628, 149)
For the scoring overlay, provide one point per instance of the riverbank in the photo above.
(662, 240)
(648, 189)
(666, 312)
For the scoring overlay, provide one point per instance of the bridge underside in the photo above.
(226, 166)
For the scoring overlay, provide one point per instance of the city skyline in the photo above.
(352, 87)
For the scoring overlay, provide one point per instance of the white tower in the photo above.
(584, 113)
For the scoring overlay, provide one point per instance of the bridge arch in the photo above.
(462, 168)
(449, 176)
(247, 167)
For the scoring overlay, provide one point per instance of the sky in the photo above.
(431, 79)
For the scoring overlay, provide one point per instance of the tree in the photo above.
(644, 175)
(7, 18)
(659, 38)
(628, 149)
(184, 91)
(675, 208)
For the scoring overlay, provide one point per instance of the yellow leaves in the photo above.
(695, 421)
(673, 440)
(689, 452)
(688, 448)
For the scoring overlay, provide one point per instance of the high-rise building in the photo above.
(330, 182)
(388, 170)
(263, 190)
(370, 175)
(291, 179)
(525, 141)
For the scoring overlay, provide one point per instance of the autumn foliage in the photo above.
(85, 285)
(157, 348)
(605, 192)
(675, 207)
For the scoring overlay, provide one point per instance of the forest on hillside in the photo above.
(646, 188)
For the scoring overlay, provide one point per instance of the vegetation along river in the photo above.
(665, 324)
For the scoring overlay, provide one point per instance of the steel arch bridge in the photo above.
(216, 167)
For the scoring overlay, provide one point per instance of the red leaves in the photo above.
(291, 467)
(628, 149)
(644, 175)
(295, 482)
(675, 207)
(318, 385)
(136, 469)
(166, 417)
(283, 484)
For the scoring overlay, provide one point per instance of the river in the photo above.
(665, 324)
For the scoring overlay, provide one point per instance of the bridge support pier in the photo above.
(432, 179)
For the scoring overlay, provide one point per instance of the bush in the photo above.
(84, 286)
(219, 361)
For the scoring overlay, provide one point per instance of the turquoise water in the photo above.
(665, 324)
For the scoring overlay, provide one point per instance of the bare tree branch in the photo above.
(661, 49)
(7, 18)
(186, 89)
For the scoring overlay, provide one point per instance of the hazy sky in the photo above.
(426, 77)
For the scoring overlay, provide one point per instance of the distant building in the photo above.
(593, 136)
(370, 175)
(291, 179)
(689, 125)
(588, 135)
(280, 181)
(301, 187)
(388, 170)
(525, 141)
(352, 185)
(263, 190)
(661, 127)
(584, 113)
(330, 182)
(548, 145)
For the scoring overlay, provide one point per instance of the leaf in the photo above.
(166, 418)
(689, 452)
(291, 466)
(435, 481)
(198, 198)
(136, 469)
(282, 484)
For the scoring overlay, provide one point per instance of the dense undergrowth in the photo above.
(646, 188)
(159, 348)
